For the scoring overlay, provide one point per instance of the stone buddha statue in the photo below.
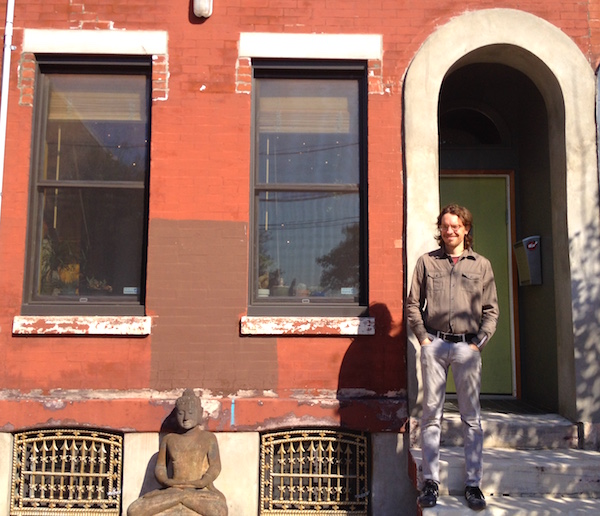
(194, 458)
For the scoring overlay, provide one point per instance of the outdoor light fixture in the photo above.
(203, 8)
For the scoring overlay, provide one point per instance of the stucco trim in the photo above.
(81, 325)
(307, 325)
(423, 82)
(572, 93)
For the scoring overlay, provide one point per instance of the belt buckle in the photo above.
(453, 337)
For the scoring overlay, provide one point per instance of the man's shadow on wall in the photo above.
(372, 378)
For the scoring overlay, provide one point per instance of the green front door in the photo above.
(487, 197)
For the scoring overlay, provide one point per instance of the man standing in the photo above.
(452, 309)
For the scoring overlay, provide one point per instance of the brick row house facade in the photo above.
(230, 195)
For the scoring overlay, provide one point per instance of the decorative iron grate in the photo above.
(314, 472)
(64, 472)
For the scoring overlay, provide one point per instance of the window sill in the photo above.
(81, 325)
(307, 326)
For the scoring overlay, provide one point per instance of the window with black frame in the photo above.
(309, 188)
(88, 204)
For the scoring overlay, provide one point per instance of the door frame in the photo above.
(512, 264)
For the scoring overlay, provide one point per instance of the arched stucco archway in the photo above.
(566, 81)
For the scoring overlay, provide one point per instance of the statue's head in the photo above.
(189, 410)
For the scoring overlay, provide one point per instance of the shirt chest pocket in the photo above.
(435, 281)
(471, 281)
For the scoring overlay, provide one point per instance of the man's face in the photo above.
(188, 416)
(453, 231)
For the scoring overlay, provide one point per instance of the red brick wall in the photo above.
(199, 208)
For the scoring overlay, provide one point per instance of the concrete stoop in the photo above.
(540, 431)
(516, 506)
(522, 472)
(532, 466)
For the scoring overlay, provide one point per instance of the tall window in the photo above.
(89, 181)
(309, 188)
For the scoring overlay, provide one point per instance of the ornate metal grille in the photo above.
(60, 472)
(314, 472)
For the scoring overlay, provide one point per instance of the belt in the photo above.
(453, 337)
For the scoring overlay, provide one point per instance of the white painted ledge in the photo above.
(81, 325)
(307, 325)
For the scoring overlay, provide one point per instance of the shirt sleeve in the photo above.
(416, 301)
(489, 310)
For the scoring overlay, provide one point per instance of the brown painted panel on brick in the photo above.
(197, 274)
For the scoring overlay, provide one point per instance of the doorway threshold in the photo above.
(500, 404)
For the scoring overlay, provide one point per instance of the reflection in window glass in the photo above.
(91, 189)
(309, 244)
(308, 131)
(91, 243)
(308, 192)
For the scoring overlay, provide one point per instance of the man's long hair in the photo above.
(465, 217)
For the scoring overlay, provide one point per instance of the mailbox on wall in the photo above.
(529, 260)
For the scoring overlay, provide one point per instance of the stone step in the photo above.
(516, 506)
(535, 431)
(510, 472)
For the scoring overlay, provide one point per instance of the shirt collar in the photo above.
(467, 253)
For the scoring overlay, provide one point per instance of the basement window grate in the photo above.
(65, 472)
(316, 471)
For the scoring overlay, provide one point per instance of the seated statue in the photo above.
(194, 457)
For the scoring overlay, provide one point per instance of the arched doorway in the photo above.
(494, 158)
(554, 161)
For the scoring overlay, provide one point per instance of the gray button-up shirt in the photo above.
(453, 298)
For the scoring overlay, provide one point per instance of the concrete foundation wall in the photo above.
(391, 491)
(238, 480)
(6, 445)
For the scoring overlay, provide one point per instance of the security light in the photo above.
(203, 8)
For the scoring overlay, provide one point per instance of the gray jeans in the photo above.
(466, 368)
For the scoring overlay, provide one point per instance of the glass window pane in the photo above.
(308, 247)
(308, 131)
(96, 128)
(91, 243)
(308, 158)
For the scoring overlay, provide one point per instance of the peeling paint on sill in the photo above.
(81, 325)
(307, 325)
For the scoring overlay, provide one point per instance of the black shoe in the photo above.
(429, 494)
(475, 498)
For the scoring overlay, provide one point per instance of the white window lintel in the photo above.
(311, 46)
(135, 42)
